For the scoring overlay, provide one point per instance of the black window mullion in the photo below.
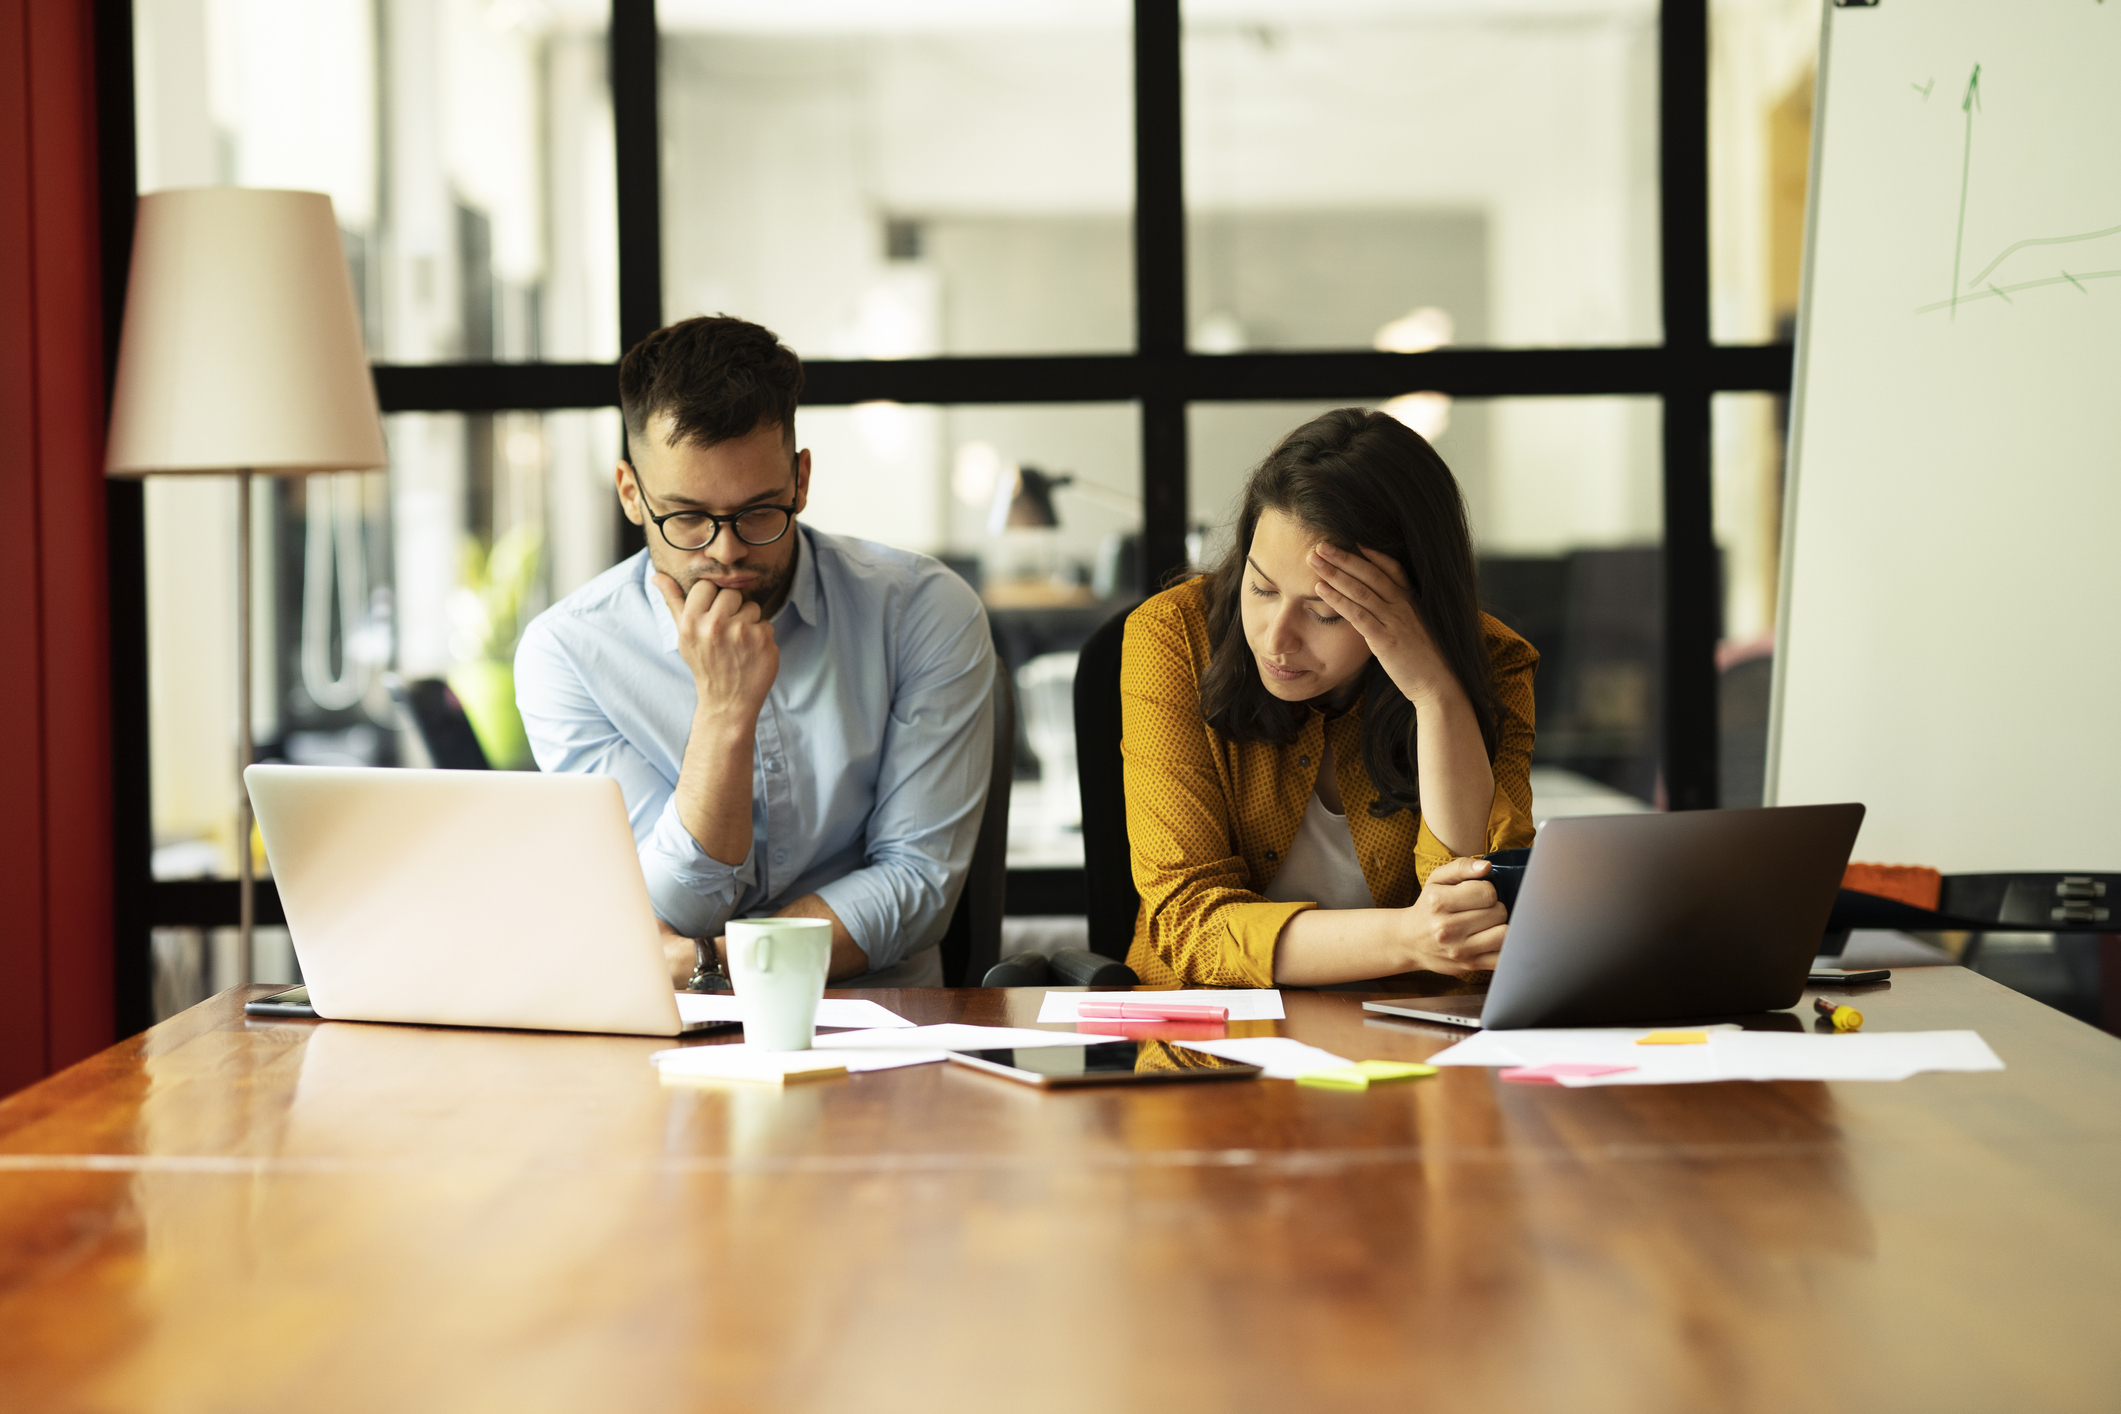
(494, 387)
(635, 122)
(1693, 599)
(125, 542)
(635, 125)
(1066, 378)
(1160, 283)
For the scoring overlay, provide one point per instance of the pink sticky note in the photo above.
(1552, 1071)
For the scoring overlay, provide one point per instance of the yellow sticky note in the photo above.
(1339, 1078)
(1376, 1070)
(1674, 1038)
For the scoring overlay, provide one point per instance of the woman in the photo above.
(1322, 731)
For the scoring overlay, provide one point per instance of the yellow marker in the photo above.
(1674, 1038)
(1844, 1018)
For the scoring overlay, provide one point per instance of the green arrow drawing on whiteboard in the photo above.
(1967, 105)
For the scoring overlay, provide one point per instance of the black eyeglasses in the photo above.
(696, 530)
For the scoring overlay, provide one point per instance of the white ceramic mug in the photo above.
(778, 966)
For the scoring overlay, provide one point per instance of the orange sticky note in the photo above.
(1674, 1038)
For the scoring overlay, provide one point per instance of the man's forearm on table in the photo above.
(848, 959)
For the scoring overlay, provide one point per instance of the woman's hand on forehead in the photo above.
(1371, 591)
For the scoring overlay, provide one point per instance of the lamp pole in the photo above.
(245, 884)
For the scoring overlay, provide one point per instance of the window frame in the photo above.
(1684, 372)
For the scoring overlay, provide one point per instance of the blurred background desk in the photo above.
(241, 1215)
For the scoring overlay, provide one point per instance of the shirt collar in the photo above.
(804, 595)
(666, 627)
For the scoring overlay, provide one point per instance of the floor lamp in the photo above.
(241, 354)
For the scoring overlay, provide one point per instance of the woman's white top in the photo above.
(1322, 867)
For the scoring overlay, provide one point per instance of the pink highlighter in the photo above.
(1150, 1011)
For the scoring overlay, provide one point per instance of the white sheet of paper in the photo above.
(739, 1062)
(1729, 1054)
(957, 1036)
(1882, 1055)
(1280, 1057)
(831, 1011)
(1243, 1003)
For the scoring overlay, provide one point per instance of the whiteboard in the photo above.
(1951, 592)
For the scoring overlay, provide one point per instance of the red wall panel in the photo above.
(55, 835)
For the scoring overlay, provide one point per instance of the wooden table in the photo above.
(229, 1215)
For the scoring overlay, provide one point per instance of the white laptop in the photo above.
(465, 898)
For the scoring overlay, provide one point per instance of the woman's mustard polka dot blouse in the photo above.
(1209, 818)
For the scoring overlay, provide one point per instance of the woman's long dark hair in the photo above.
(1357, 478)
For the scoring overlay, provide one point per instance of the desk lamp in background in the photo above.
(1022, 500)
(241, 355)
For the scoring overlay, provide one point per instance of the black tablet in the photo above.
(1109, 1063)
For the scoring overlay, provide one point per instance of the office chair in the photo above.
(440, 722)
(973, 940)
(1108, 861)
(1108, 869)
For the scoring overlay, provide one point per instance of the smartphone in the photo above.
(1847, 977)
(1114, 1061)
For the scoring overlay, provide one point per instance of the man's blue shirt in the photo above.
(874, 746)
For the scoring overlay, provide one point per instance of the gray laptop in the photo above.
(466, 898)
(1625, 918)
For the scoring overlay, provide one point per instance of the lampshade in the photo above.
(1025, 501)
(242, 345)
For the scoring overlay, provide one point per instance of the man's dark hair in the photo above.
(716, 378)
(1356, 477)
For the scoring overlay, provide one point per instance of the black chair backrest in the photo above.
(440, 720)
(1108, 862)
(973, 941)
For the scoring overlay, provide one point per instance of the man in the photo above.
(801, 723)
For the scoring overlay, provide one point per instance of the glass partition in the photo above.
(1489, 169)
(466, 146)
(1751, 433)
(901, 179)
(1762, 57)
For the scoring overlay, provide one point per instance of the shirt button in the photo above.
(1271, 855)
(1303, 760)
(780, 856)
(773, 763)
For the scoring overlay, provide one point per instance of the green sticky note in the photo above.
(1378, 1070)
(1349, 1077)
